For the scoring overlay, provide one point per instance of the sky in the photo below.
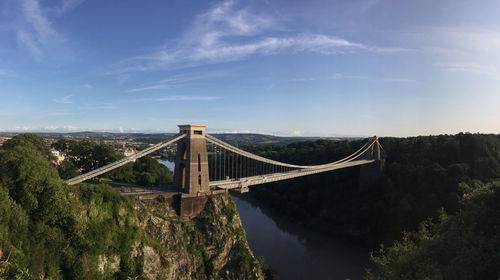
(282, 67)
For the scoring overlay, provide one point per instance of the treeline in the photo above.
(85, 156)
(423, 177)
(464, 245)
(48, 231)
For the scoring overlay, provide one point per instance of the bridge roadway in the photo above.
(225, 185)
(244, 183)
(153, 192)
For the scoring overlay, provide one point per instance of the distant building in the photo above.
(3, 139)
(125, 151)
(60, 156)
(128, 152)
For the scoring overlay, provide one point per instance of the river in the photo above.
(310, 256)
(295, 252)
(167, 163)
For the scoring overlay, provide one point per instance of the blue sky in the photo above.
(284, 67)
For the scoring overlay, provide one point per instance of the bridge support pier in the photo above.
(191, 169)
(191, 161)
(369, 173)
(243, 187)
(191, 206)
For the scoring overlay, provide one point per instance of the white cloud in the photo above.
(228, 32)
(98, 106)
(486, 70)
(459, 49)
(470, 39)
(177, 98)
(40, 31)
(225, 19)
(50, 128)
(65, 7)
(70, 128)
(152, 87)
(34, 29)
(64, 100)
(177, 81)
(226, 52)
(27, 41)
(338, 76)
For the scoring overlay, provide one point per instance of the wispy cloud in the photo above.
(71, 128)
(34, 29)
(486, 70)
(176, 81)
(7, 73)
(165, 85)
(469, 39)
(177, 98)
(64, 100)
(49, 128)
(98, 106)
(64, 7)
(338, 76)
(229, 32)
(39, 32)
(451, 40)
(82, 87)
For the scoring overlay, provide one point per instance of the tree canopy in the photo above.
(43, 225)
(84, 156)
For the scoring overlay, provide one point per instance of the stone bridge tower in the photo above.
(191, 161)
(369, 173)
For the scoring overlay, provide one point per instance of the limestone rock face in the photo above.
(212, 245)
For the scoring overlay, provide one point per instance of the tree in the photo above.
(29, 139)
(88, 155)
(461, 246)
(67, 169)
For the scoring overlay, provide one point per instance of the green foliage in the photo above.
(424, 178)
(54, 231)
(88, 155)
(67, 169)
(85, 156)
(28, 139)
(161, 199)
(461, 246)
(421, 175)
(229, 210)
(90, 231)
(145, 171)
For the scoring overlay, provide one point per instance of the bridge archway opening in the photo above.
(182, 172)
(184, 151)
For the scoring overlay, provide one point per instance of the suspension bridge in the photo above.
(205, 165)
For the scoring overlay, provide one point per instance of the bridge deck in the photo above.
(153, 192)
(262, 179)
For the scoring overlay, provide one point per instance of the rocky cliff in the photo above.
(212, 245)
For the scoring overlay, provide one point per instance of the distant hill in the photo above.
(238, 139)
(249, 139)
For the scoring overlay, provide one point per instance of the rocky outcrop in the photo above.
(212, 245)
